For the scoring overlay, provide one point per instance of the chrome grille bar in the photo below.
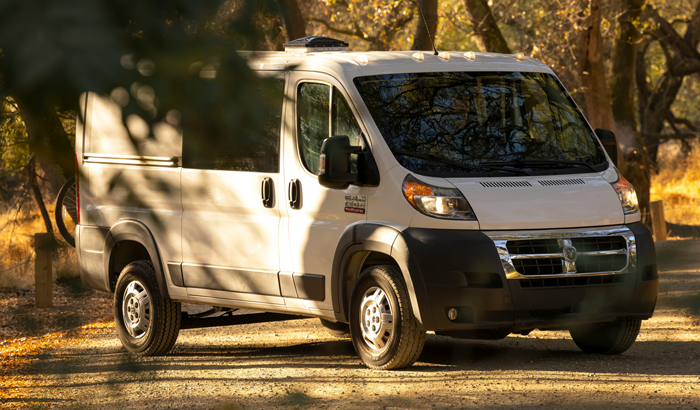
(564, 239)
(560, 255)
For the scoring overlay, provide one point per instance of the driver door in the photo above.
(319, 216)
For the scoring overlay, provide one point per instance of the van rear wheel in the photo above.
(147, 324)
(383, 327)
(607, 338)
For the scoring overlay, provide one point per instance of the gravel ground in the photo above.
(297, 364)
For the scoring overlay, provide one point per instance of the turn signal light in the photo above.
(438, 202)
(627, 195)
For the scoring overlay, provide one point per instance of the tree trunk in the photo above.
(657, 109)
(293, 21)
(485, 27)
(49, 142)
(592, 69)
(425, 34)
(681, 55)
(31, 175)
(634, 163)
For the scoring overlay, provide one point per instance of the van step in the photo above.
(229, 320)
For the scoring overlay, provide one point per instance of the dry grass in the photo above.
(19, 221)
(678, 184)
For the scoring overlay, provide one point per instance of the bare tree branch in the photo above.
(669, 36)
(661, 137)
(672, 119)
(356, 33)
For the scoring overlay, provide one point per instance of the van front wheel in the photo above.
(147, 324)
(607, 338)
(383, 327)
(337, 329)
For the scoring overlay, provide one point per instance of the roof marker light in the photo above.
(445, 56)
(519, 56)
(418, 57)
(362, 60)
(470, 56)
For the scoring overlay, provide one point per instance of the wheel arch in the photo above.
(366, 244)
(129, 241)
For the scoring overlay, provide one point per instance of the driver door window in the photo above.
(322, 112)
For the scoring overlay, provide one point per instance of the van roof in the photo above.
(352, 64)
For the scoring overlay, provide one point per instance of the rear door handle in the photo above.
(268, 193)
(295, 194)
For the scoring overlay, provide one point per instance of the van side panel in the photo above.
(108, 135)
(90, 241)
(118, 180)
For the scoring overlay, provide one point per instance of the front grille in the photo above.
(604, 243)
(601, 263)
(575, 281)
(551, 313)
(533, 246)
(544, 266)
(523, 254)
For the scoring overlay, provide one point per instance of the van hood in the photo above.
(542, 202)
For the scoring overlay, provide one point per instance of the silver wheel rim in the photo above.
(136, 309)
(376, 319)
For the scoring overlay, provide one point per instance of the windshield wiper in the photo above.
(456, 164)
(540, 162)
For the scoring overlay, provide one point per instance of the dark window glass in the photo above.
(242, 149)
(313, 108)
(343, 122)
(476, 117)
(314, 111)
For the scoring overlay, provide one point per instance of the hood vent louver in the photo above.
(506, 184)
(561, 182)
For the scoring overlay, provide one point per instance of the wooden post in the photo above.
(43, 270)
(658, 220)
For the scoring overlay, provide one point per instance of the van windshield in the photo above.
(480, 123)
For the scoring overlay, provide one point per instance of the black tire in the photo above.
(607, 338)
(163, 316)
(67, 196)
(398, 348)
(337, 329)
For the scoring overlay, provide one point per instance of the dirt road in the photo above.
(297, 364)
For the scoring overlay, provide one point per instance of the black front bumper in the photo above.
(462, 270)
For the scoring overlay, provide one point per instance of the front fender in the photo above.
(388, 240)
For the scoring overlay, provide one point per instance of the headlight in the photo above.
(628, 196)
(445, 203)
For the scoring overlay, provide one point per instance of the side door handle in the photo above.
(295, 194)
(268, 193)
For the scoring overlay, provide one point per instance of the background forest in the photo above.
(632, 65)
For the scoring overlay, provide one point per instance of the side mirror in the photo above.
(609, 141)
(334, 163)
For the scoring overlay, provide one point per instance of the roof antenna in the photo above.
(426, 27)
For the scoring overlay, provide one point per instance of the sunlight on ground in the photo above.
(298, 365)
(16, 355)
(678, 184)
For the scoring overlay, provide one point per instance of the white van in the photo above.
(395, 192)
